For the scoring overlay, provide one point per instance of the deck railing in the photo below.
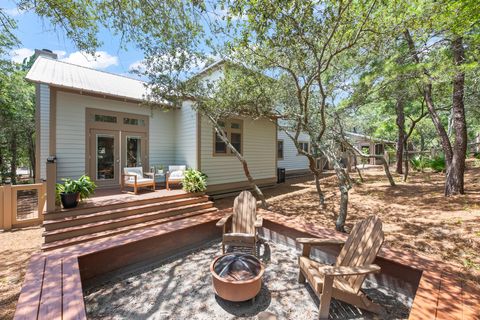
(22, 205)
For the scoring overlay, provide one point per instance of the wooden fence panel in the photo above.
(22, 205)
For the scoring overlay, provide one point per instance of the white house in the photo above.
(288, 156)
(94, 122)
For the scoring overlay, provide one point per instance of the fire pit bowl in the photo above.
(237, 276)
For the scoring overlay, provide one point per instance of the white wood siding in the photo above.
(259, 147)
(71, 110)
(44, 128)
(291, 159)
(186, 136)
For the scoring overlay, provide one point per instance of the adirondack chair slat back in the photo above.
(244, 213)
(361, 248)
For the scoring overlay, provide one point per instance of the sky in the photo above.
(36, 33)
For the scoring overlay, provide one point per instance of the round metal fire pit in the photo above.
(237, 276)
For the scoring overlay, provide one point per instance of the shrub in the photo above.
(437, 164)
(419, 163)
(194, 181)
(84, 186)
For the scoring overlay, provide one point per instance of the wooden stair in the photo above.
(65, 228)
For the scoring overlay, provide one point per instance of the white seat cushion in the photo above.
(177, 168)
(138, 171)
(176, 175)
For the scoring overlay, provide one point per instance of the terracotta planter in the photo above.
(242, 281)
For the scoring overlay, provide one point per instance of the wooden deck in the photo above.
(441, 291)
(105, 197)
(52, 287)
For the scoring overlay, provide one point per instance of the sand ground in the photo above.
(416, 215)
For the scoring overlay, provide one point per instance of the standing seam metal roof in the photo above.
(66, 75)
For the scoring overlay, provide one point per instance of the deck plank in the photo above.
(450, 300)
(29, 300)
(73, 305)
(471, 302)
(51, 300)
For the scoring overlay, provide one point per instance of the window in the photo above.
(234, 130)
(304, 146)
(134, 122)
(280, 149)
(220, 146)
(379, 149)
(105, 118)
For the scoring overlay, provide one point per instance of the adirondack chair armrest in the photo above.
(348, 271)
(319, 242)
(222, 222)
(258, 222)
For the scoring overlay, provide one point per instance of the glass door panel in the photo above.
(134, 151)
(105, 157)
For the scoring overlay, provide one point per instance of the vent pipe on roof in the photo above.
(46, 53)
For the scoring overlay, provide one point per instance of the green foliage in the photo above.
(84, 186)
(194, 181)
(419, 163)
(436, 164)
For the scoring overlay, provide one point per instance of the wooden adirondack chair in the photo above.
(343, 280)
(244, 223)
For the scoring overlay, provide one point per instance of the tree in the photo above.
(452, 25)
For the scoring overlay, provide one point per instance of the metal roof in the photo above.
(66, 75)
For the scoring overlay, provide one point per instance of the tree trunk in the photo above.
(312, 165)
(427, 92)
(387, 171)
(242, 160)
(454, 183)
(344, 186)
(400, 110)
(405, 175)
(356, 167)
(2, 167)
(31, 154)
(13, 163)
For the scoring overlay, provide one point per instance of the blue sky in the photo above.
(37, 33)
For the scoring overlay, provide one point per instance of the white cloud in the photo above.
(138, 65)
(18, 55)
(13, 12)
(60, 53)
(100, 60)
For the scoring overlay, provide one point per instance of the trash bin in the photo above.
(280, 175)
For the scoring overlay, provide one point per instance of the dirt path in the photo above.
(16, 247)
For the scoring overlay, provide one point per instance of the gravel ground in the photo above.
(180, 288)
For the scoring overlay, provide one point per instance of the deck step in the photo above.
(75, 212)
(89, 228)
(71, 221)
(123, 230)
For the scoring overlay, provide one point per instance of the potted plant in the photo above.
(194, 181)
(72, 191)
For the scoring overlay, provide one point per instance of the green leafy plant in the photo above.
(437, 164)
(419, 163)
(84, 186)
(194, 181)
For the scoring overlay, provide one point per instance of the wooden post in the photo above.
(7, 207)
(51, 182)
